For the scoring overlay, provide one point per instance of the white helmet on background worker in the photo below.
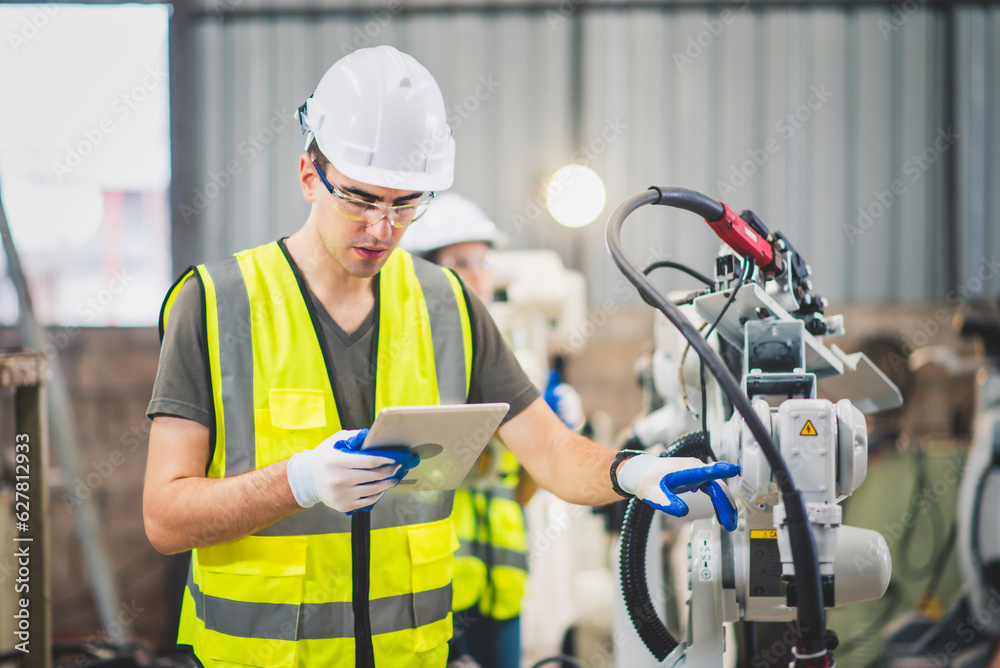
(378, 116)
(450, 219)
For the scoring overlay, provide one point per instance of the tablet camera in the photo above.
(427, 450)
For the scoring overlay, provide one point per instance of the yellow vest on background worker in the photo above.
(283, 596)
(491, 565)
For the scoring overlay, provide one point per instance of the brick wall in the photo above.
(109, 373)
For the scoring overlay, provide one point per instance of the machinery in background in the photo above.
(967, 634)
(539, 305)
(799, 455)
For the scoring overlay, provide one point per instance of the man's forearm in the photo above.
(197, 512)
(580, 471)
(570, 466)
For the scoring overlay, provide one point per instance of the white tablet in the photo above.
(448, 440)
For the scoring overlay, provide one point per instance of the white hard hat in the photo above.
(450, 219)
(378, 116)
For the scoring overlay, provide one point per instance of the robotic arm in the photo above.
(798, 455)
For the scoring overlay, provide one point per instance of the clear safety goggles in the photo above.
(369, 212)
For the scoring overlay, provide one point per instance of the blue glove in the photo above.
(343, 477)
(403, 456)
(659, 480)
(703, 478)
(550, 394)
(406, 458)
(564, 401)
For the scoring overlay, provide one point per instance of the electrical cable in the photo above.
(561, 658)
(680, 378)
(632, 558)
(939, 563)
(892, 594)
(744, 275)
(811, 615)
(750, 648)
(937, 521)
(893, 598)
(974, 522)
(745, 272)
(704, 395)
(694, 273)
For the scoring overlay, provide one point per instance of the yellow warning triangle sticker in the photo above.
(808, 429)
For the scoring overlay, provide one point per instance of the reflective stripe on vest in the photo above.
(282, 597)
(319, 621)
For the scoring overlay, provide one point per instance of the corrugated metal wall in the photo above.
(835, 123)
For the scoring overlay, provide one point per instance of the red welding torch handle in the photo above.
(739, 236)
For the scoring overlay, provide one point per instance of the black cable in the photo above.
(562, 658)
(694, 273)
(747, 269)
(632, 558)
(704, 395)
(977, 500)
(811, 615)
(942, 559)
(893, 598)
(750, 648)
(937, 521)
(744, 274)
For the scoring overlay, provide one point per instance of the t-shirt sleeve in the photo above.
(496, 373)
(182, 386)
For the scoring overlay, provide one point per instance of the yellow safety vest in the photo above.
(320, 587)
(491, 565)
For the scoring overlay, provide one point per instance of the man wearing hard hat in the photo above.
(273, 359)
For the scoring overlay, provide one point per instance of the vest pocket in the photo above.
(292, 421)
(253, 591)
(297, 409)
(432, 566)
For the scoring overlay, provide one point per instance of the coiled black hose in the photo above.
(632, 558)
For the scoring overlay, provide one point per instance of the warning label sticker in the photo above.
(808, 429)
(764, 533)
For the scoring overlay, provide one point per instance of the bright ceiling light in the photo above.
(576, 196)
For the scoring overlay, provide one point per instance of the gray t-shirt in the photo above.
(182, 385)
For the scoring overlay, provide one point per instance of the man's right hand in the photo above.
(341, 476)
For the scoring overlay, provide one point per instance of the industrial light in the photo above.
(576, 196)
